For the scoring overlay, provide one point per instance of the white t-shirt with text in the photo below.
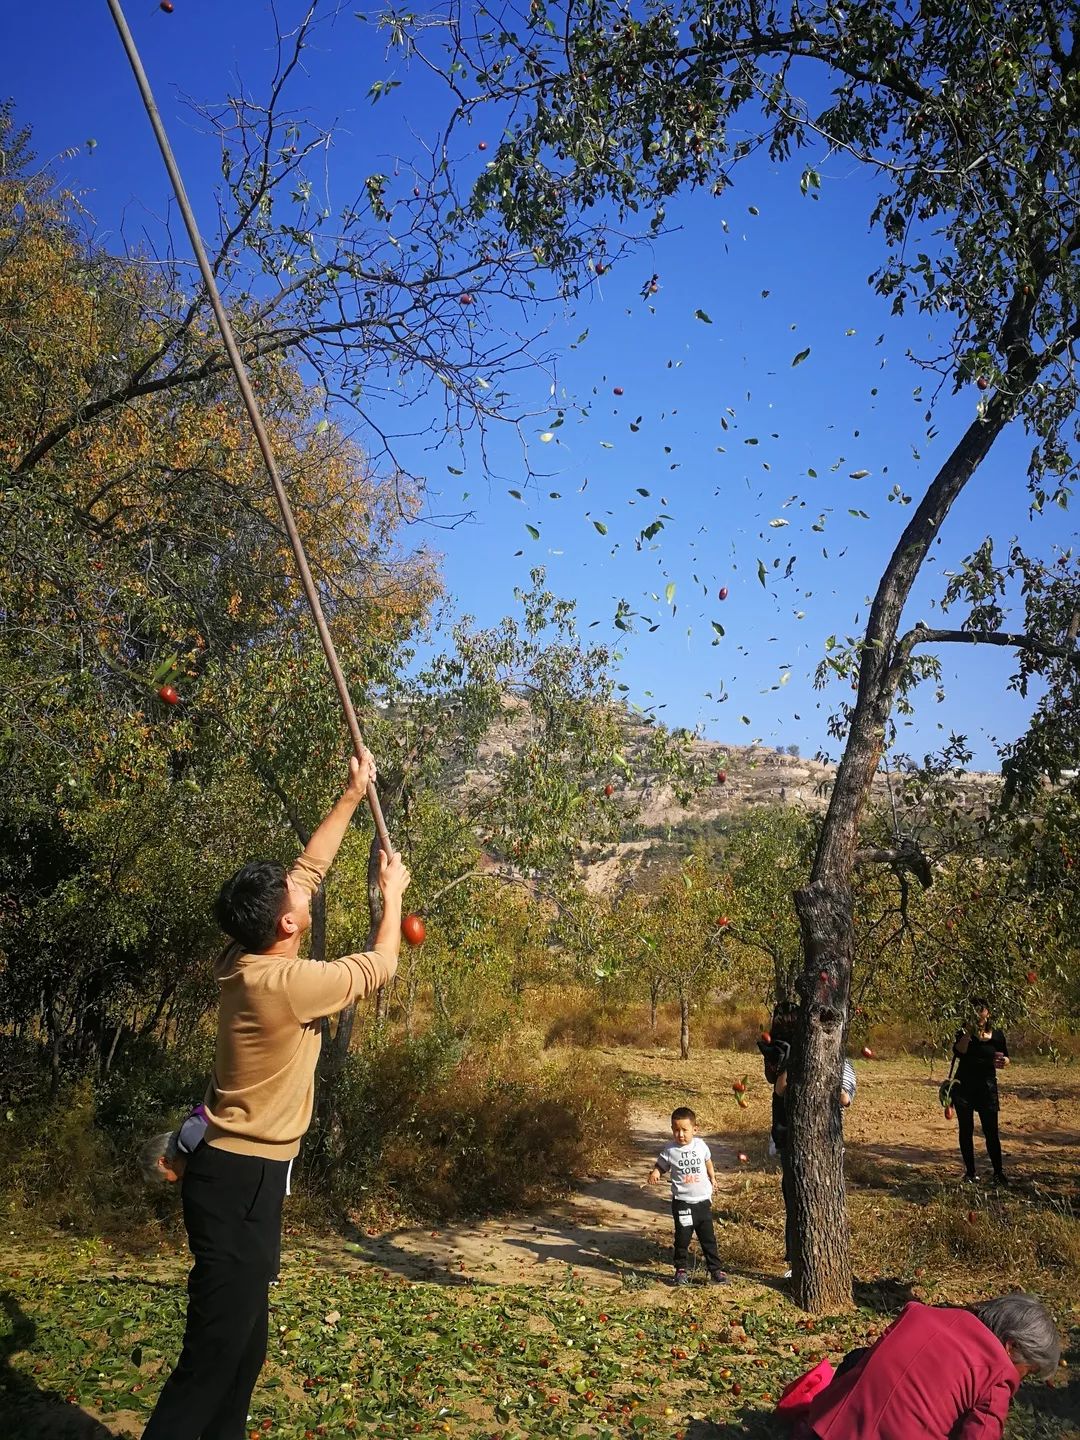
(689, 1178)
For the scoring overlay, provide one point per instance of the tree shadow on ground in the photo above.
(25, 1409)
(750, 1424)
(886, 1295)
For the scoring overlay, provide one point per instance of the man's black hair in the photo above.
(248, 905)
(683, 1112)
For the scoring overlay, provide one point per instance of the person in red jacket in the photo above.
(938, 1374)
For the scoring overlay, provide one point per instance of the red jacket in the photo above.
(936, 1374)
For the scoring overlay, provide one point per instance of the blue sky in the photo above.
(680, 375)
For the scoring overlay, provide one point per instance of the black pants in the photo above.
(232, 1213)
(787, 1186)
(988, 1115)
(694, 1219)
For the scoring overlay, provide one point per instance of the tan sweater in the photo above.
(269, 1035)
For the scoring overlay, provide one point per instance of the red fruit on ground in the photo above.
(1031, 977)
(414, 929)
(743, 1157)
(738, 1087)
(609, 790)
(868, 1054)
(766, 1038)
(722, 593)
(721, 777)
(169, 694)
(723, 923)
(972, 1216)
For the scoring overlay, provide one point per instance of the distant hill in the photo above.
(754, 776)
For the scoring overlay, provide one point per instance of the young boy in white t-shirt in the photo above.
(690, 1165)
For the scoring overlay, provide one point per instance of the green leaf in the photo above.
(600, 526)
(669, 592)
(858, 474)
(761, 571)
(700, 315)
(533, 531)
(800, 357)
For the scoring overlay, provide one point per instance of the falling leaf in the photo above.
(800, 357)
(700, 315)
(669, 592)
(533, 531)
(859, 474)
(761, 571)
(778, 524)
(600, 526)
(546, 436)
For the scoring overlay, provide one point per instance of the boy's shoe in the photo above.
(970, 1178)
(1000, 1178)
(681, 1278)
(717, 1277)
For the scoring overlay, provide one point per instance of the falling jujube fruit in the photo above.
(414, 929)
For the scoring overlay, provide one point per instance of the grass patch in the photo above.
(359, 1352)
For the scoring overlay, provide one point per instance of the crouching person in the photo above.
(259, 1105)
(937, 1373)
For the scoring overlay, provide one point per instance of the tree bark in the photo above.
(654, 1000)
(684, 1025)
(821, 1263)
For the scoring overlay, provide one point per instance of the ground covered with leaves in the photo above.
(560, 1322)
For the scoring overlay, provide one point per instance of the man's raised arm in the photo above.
(320, 850)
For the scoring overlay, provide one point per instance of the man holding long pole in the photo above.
(259, 1106)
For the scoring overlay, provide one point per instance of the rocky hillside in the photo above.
(753, 776)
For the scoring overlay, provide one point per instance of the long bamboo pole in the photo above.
(251, 403)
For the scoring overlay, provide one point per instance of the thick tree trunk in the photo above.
(684, 1025)
(822, 1265)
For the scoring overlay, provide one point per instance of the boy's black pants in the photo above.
(232, 1213)
(965, 1119)
(694, 1219)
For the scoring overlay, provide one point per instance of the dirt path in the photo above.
(609, 1225)
(614, 1232)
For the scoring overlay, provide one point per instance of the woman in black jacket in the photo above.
(981, 1051)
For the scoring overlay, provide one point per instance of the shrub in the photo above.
(432, 1131)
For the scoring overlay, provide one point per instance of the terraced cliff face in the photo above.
(753, 776)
